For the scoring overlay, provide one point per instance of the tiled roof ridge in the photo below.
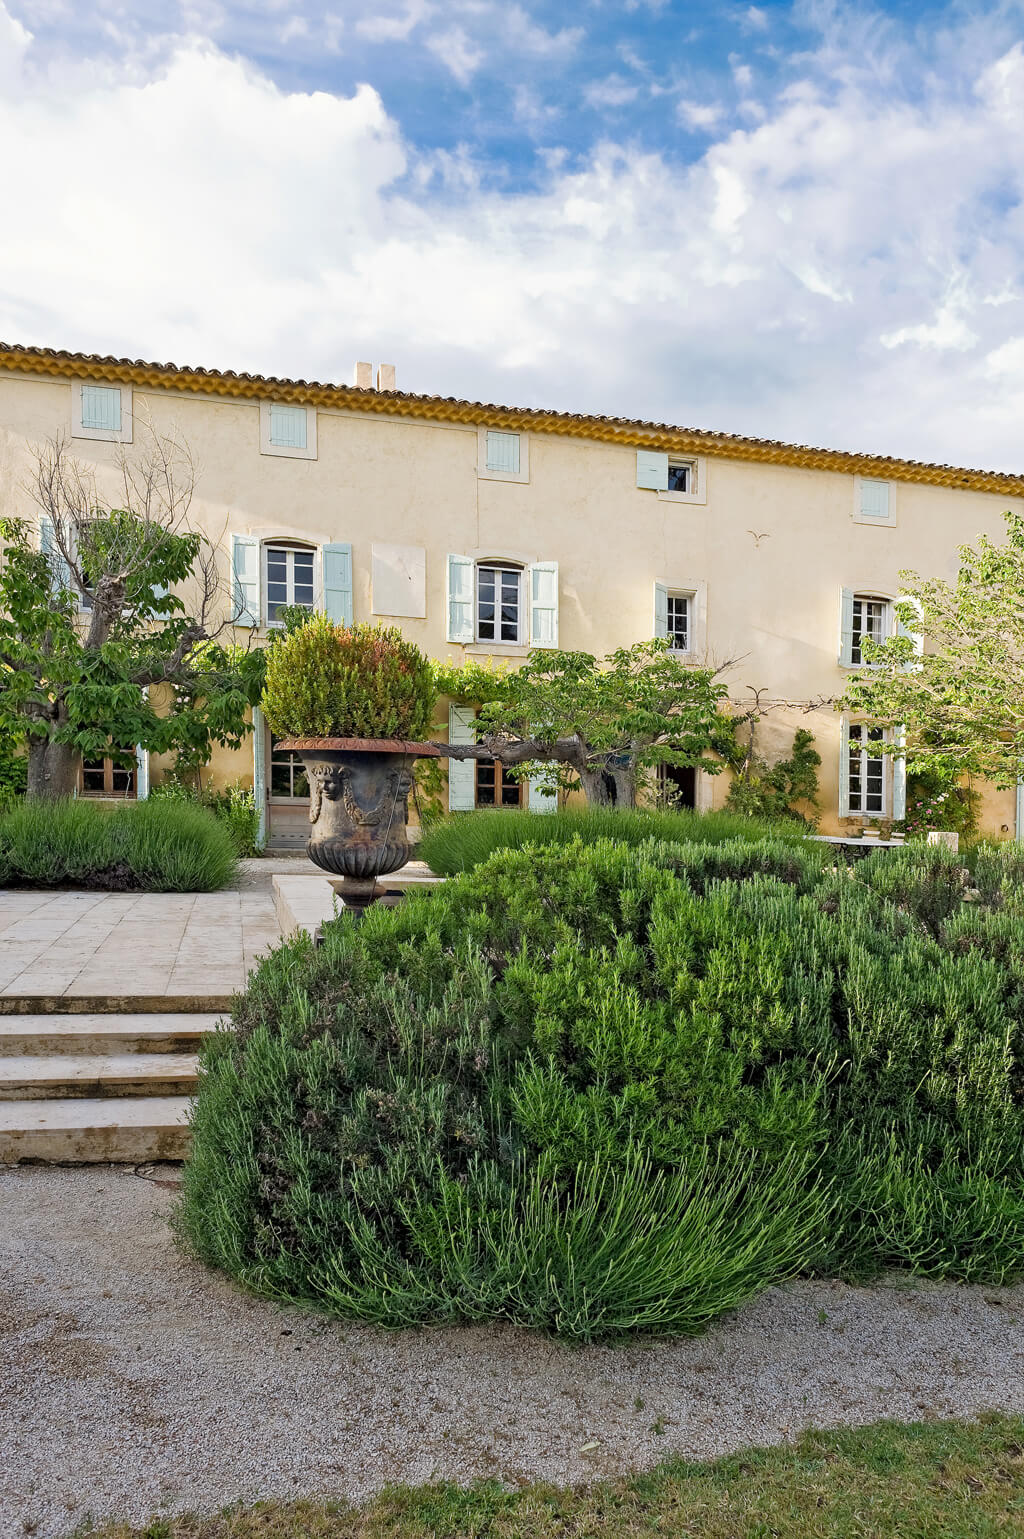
(657, 435)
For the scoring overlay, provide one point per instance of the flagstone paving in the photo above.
(123, 944)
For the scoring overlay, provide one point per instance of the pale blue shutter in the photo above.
(141, 772)
(288, 426)
(337, 559)
(245, 566)
(846, 627)
(60, 572)
(660, 610)
(544, 604)
(540, 798)
(503, 453)
(461, 772)
(259, 771)
(101, 408)
(905, 630)
(874, 500)
(1019, 825)
(460, 599)
(652, 470)
(899, 778)
(844, 768)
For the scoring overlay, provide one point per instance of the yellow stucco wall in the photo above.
(773, 544)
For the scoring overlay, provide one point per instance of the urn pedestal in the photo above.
(359, 807)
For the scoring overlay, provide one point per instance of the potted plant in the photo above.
(353, 702)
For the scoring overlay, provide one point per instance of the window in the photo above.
(678, 616)
(871, 617)
(866, 767)
(677, 786)
(495, 787)
(680, 476)
(287, 776)
(102, 777)
(499, 603)
(289, 579)
(101, 411)
(679, 621)
(677, 478)
(502, 456)
(289, 431)
(873, 501)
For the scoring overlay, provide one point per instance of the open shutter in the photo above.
(544, 604)
(1019, 827)
(337, 569)
(461, 772)
(59, 569)
(905, 630)
(652, 470)
(460, 599)
(660, 611)
(844, 767)
(245, 565)
(259, 772)
(540, 798)
(846, 627)
(141, 772)
(899, 778)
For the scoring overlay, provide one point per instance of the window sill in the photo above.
(692, 497)
(496, 648)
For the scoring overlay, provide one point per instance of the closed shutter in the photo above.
(652, 470)
(503, 453)
(544, 604)
(844, 768)
(337, 569)
(101, 408)
(846, 627)
(245, 566)
(288, 426)
(460, 599)
(660, 611)
(259, 772)
(874, 500)
(461, 772)
(540, 798)
(899, 778)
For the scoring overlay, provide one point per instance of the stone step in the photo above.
(139, 1032)
(127, 1130)
(115, 1004)
(95, 1075)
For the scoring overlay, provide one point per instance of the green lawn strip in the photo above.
(931, 1480)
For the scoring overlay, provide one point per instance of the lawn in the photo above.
(934, 1480)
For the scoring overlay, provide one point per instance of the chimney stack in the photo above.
(386, 376)
(364, 376)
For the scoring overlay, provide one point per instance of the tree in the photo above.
(600, 726)
(89, 621)
(953, 681)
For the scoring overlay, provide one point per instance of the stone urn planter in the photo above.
(359, 807)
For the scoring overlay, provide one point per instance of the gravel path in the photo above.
(132, 1381)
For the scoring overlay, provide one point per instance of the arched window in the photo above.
(499, 602)
(289, 577)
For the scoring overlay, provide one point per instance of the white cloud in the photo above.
(613, 91)
(528, 37)
(698, 114)
(393, 28)
(457, 52)
(753, 19)
(845, 271)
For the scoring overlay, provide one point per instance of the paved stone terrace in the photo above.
(84, 943)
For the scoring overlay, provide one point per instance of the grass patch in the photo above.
(151, 846)
(927, 1481)
(467, 839)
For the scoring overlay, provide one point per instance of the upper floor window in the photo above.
(677, 612)
(289, 579)
(676, 477)
(103, 412)
(502, 456)
(679, 621)
(499, 603)
(871, 621)
(289, 431)
(873, 501)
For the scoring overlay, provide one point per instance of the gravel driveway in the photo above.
(132, 1381)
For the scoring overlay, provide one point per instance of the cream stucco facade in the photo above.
(760, 542)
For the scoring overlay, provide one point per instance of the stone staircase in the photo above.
(90, 1081)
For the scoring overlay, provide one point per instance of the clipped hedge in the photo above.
(149, 846)
(597, 1089)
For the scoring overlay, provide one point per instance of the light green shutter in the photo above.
(141, 773)
(503, 453)
(259, 771)
(846, 627)
(874, 500)
(540, 799)
(844, 768)
(905, 630)
(461, 772)
(245, 566)
(660, 611)
(1019, 826)
(544, 604)
(899, 778)
(460, 599)
(288, 426)
(101, 408)
(337, 559)
(60, 572)
(652, 470)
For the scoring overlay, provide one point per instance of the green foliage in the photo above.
(153, 846)
(598, 1088)
(465, 840)
(937, 799)
(13, 776)
(233, 805)
(329, 680)
(762, 790)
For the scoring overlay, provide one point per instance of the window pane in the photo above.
(280, 780)
(510, 793)
(679, 478)
(678, 621)
(121, 779)
(486, 782)
(92, 774)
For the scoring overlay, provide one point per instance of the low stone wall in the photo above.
(305, 902)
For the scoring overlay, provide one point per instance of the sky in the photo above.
(798, 221)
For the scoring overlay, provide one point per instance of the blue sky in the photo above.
(799, 221)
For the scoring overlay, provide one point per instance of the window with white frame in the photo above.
(681, 476)
(676, 614)
(502, 456)
(866, 770)
(872, 621)
(678, 478)
(288, 579)
(288, 780)
(103, 412)
(679, 622)
(499, 603)
(289, 431)
(873, 501)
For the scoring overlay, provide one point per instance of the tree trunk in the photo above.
(52, 771)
